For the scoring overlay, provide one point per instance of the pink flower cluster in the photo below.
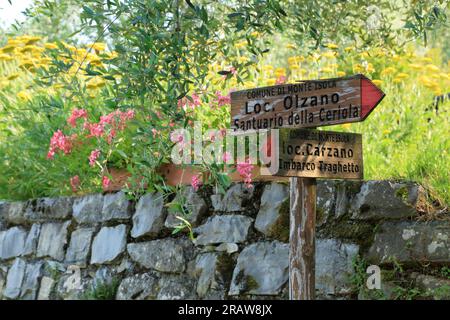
(222, 100)
(59, 141)
(114, 121)
(281, 80)
(196, 183)
(106, 182)
(75, 183)
(185, 102)
(245, 171)
(93, 157)
(76, 114)
(177, 137)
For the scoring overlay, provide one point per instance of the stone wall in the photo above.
(104, 246)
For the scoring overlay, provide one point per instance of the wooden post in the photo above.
(302, 238)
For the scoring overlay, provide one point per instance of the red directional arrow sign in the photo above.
(304, 104)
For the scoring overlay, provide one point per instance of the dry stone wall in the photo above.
(107, 246)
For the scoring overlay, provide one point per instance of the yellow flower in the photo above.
(98, 46)
(57, 86)
(358, 68)
(240, 44)
(271, 81)
(364, 54)
(46, 60)
(415, 66)
(435, 76)
(332, 46)
(32, 48)
(8, 48)
(249, 84)
(387, 71)
(243, 59)
(397, 80)
(27, 64)
(5, 57)
(432, 68)
(31, 39)
(112, 55)
(340, 73)
(292, 60)
(295, 67)
(326, 70)
(50, 46)
(95, 83)
(23, 95)
(13, 76)
(329, 54)
(348, 49)
(291, 46)
(437, 91)
(402, 75)
(377, 82)
(14, 42)
(426, 59)
(95, 61)
(267, 67)
(254, 34)
(428, 83)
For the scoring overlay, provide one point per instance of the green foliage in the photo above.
(401, 293)
(445, 272)
(166, 52)
(102, 291)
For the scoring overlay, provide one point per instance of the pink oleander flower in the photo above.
(226, 157)
(196, 183)
(222, 100)
(281, 80)
(233, 71)
(93, 157)
(76, 114)
(111, 135)
(185, 102)
(212, 136)
(75, 183)
(59, 141)
(96, 129)
(51, 154)
(245, 171)
(223, 132)
(106, 182)
(177, 137)
(117, 119)
(155, 132)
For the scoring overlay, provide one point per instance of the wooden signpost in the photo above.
(319, 154)
(307, 154)
(306, 104)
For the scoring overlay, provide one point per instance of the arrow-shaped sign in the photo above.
(311, 103)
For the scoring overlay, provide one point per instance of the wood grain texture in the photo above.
(302, 238)
(270, 102)
(320, 154)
